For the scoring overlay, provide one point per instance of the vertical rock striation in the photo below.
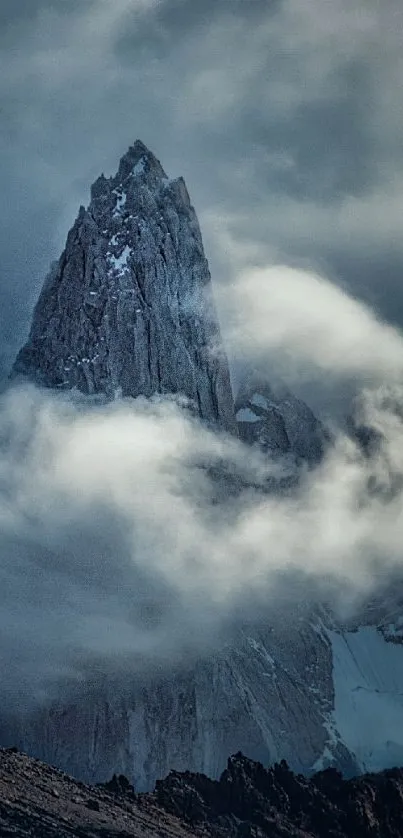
(128, 308)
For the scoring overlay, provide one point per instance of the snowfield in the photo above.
(368, 696)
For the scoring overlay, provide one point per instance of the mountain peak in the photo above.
(140, 160)
(128, 308)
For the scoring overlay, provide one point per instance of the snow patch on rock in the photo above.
(121, 199)
(139, 167)
(120, 262)
(260, 401)
(245, 414)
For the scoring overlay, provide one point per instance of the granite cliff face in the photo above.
(302, 687)
(128, 308)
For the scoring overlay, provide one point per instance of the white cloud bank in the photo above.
(312, 324)
(111, 548)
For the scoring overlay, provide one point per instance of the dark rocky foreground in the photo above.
(248, 800)
(42, 802)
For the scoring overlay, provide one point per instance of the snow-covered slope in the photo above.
(368, 697)
(128, 308)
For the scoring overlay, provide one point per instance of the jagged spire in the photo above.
(128, 308)
(139, 159)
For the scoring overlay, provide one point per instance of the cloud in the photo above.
(304, 324)
(101, 511)
(132, 536)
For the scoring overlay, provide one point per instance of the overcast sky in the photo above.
(284, 116)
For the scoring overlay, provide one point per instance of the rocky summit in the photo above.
(128, 308)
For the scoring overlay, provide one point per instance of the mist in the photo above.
(133, 536)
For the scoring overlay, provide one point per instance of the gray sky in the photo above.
(284, 117)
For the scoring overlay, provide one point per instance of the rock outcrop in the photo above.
(128, 308)
(277, 421)
(248, 801)
(37, 801)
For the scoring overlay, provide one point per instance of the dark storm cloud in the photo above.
(25, 11)
(284, 118)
